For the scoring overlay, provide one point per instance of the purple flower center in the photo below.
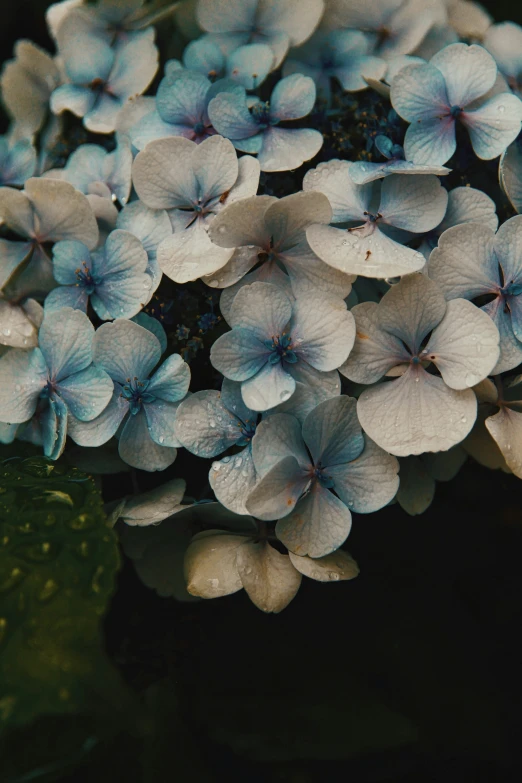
(281, 349)
(135, 391)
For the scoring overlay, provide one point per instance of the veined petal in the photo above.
(417, 412)
(293, 97)
(318, 526)
(362, 251)
(229, 114)
(232, 480)
(86, 393)
(24, 375)
(137, 448)
(124, 350)
(418, 205)
(375, 351)
(205, 426)
(469, 205)
(494, 125)
(332, 432)
(238, 354)
(348, 200)
(163, 174)
(418, 92)
(161, 420)
(242, 223)
(369, 482)
(271, 385)
(277, 493)
(268, 577)
(66, 342)
(250, 65)
(411, 309)
(323, 331)
(510, 175)
(464, 346)
(171, 381)
(101, 429)
(215, 167)
(288, 148)
(431, 141)
(262, 308)
(505, 427)
(53, 423)
(469, 72)
(465, 264)
(189, 254)
(278, 436)
(287, 218)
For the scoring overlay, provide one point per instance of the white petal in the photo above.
(232, 480)
(210, 566)
(417, 487)
(348, 200)
(269, 577)
(417, 204)
(154, 506)
(336, 567)
(189, 254)
(505, 428)
(406, 416)
(464, 346)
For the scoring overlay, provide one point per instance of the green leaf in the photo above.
(58, 560)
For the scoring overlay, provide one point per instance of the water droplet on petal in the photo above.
(501, 109)
(214, 283)
(222, 229)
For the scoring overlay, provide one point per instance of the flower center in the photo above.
(455, 111)
(135, 391)
(85, 278)
(248, 430)
(261, 112)
(47, 390)
(199, 128)
(373, 218)
(324, 480)
(281, 349)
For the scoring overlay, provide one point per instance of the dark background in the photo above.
(410, 673)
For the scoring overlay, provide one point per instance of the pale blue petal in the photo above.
(431, 142)
(181, 99)
(418, 205)
(369, 482)
(69, 256)
(508, 325)
(250, 65)
(205, 426)
(102, 117)
(78, 100)
(279, 436)
(411, 309)
(101, 429)
(418, 92)
(293, 97)
(322, 330)
(65, 340)
(494, 125)
(86, 59)
(276, 494)
(137, 448)
(233, 479)
(135, 65)
(268, 387)
(11, 256)
(66, 296)
(229, 115)
(205, 57)
(121, 295)
(288, 148)
(53, 423)
(20, 163)
(348, 200)
(469, 72)
(152, 127)
(318, 526)
(171, 381)
(351, 74)
(154, 326)
(233, 401)
(86, 393)
(215, 168)
(124, 350)
(86, 165)
(238, 354)
(332, 432)
(224, 16)
(150, 226)
(465, 263)
(262, 308)
(24, 375)
(161, 419)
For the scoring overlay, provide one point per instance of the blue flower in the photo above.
(275, 342)
(312, 478)
(193, 183)
(413, 330)
(363, 172)
(336, 54)
(472, 261)
(113, 278)
(248, 65)
(251, 124)
(93, 170)
(102, 78)
(58, 377)
(17, 161)
(181, 108)
(373, 223)
(45, 211)
(143, 406)
(435, 95)
(277, 23)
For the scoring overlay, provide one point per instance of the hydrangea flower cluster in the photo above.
(299, 210)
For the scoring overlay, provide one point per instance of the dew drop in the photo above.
(501, 109)
(285, 395)
(345, 241)
(216, 466)
(214, 283)
(18, 387)
(222, 229)
(161, 439)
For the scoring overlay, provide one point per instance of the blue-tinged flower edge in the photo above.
(284, 272)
